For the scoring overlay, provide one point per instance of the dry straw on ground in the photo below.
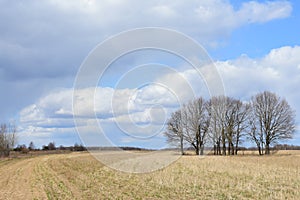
(80, 176)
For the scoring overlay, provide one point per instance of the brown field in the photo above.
(80, 176)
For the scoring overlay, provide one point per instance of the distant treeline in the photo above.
(286, 147)
(76, 147)
(276, 147)
(118, 148)
(50, 147)
(79, 147)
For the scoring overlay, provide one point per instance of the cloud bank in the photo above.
(142, 111)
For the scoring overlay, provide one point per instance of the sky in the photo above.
(254, 46)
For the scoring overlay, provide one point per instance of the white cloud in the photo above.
(43, 45)
(206, 19)
(163, 11)
(109, 102)
(285, 59)
(55, 109)
(277, 71)
(155, 94)
(253, 11)
(55, 105)
(142, 111)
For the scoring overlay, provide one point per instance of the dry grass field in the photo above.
(80, 176)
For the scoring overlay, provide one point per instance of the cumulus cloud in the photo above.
(57, 104)
(285, 59)
(43, 45)
(54, 23)
(50, 29)
(278, 71)
(123, 111)
(142, 111)
(140, 106)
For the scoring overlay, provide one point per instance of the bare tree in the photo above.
(273, 120)
(7, 138)
(242, 118)
(225, 121)
(196, 124)
(254, 134)
(217, 111)
(189, 125)
(31, 146)
(230, 122)
(174, 131)
(51, 146)
(236, 116)
(215, 128)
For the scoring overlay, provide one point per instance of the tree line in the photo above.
(223, 123)
(50, 147)
(8, 140)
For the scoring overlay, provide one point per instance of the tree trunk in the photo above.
(215, 149)
(219, 147)
(267, 151)
(232, 150)
(223, 143)
(198, 142)
(201, 147)
(196, 147)
(181, 145)
(259, 148)
(202, 151)
(224, 149)
(229, 148)
(236, 147)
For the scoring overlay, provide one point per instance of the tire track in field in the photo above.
(54, 182)
(53, 186)
(34, 178)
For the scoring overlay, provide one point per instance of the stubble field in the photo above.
(80, 176)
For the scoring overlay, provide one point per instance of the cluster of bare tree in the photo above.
(7, 138)
(223, 123)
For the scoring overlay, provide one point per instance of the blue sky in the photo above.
(258, 39)
(253, 44)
